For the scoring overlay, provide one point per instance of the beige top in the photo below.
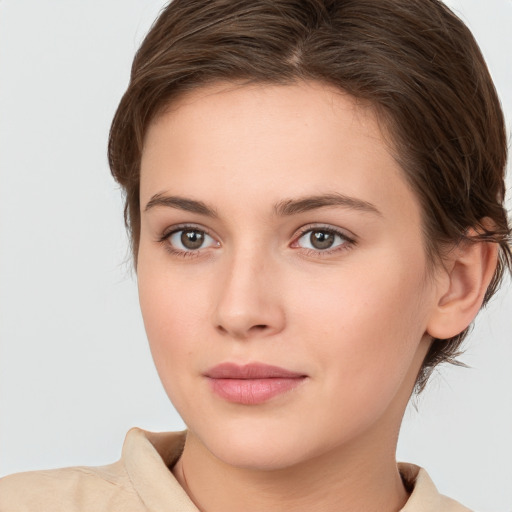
(141, 482)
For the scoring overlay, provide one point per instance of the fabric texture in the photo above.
(142, 482)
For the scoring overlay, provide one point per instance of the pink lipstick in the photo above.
(251, 384)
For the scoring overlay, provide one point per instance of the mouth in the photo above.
(251, 384)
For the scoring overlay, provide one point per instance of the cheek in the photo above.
(363, 337)
(173, 313)
(366, 325)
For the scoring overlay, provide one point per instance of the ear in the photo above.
(467, 272)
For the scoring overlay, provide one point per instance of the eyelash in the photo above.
(164, 240)
(347, 243)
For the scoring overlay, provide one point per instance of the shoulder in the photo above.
(424, 496)
(140, 481)
(76, 489)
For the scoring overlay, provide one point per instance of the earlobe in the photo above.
(469, 270)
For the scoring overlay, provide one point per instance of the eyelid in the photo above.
(190, 253)
(183, 227)
(349, 239)
(326, 227)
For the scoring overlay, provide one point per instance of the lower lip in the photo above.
(253, 391)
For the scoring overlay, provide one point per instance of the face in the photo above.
(281, 271)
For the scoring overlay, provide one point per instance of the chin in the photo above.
(257, 455)
(264, 447)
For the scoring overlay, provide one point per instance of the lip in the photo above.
(251, 384)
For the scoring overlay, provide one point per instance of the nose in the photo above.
(250, 300)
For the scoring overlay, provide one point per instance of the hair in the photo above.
(414, 61)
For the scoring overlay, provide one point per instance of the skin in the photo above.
(354, 318)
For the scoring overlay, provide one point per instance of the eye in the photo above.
(189, 239)
(322, 239)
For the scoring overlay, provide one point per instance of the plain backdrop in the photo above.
(75, 369)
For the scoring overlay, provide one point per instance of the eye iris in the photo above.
(321, 239)
(192, 239)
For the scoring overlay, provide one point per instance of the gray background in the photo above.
(75, 370)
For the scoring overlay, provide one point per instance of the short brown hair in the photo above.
(413, 60)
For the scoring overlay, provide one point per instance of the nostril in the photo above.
(242, 332)
(260, 327)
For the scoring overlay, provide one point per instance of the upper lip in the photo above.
(250, 371)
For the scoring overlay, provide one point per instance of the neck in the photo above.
(363, 476)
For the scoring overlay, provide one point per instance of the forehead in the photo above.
(302, 101)
(269, 141)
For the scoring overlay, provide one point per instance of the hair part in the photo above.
(414, 61)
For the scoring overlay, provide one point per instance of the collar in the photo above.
(147, 457)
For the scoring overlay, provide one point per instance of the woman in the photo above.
(315, 197)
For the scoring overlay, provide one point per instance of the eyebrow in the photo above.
(294, 206)
(181, 203)
(284, 208)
